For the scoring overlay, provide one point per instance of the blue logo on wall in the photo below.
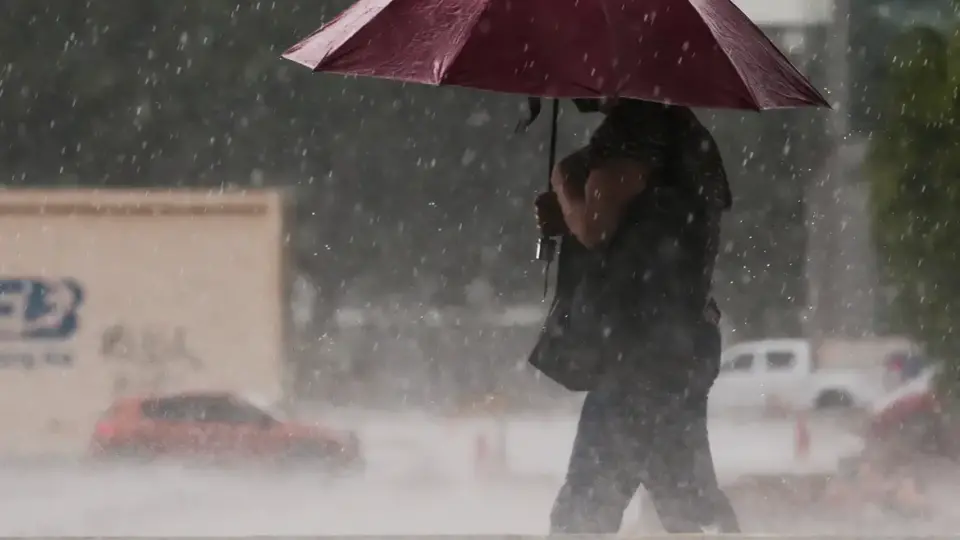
(34, 310)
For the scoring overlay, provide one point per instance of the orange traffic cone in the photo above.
(489, 459)
(801, 438)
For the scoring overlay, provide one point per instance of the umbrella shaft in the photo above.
(546, 246)
(554, 120)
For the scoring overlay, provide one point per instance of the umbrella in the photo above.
(696, 53)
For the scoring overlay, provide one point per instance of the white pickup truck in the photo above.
(794, 374)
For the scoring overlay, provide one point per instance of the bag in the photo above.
(564, 355)
(561, 352)
(577, 342)
(573, 346)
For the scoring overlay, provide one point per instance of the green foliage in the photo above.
(874, 28)
(915, 170)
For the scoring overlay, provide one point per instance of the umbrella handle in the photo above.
(547, 246)
(546, 249)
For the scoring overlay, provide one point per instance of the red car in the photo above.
(216, 426)
(911, 416)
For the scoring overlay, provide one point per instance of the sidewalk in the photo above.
(541, 446)
(538, 447)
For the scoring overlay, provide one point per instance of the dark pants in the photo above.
(649, 432)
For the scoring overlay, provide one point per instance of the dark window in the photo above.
(781, 360)
(218, 409)
(742, 362)
(174, 409)
(229, 411)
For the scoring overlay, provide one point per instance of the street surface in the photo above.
(422, 479)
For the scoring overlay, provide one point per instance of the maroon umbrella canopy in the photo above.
(699, 53)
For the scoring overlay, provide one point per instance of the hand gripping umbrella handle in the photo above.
(546, 249)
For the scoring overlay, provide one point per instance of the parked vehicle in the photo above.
(903, 367)
(218, 426)
(793, 374)
(910, 407)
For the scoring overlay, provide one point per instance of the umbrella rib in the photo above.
(816, 94)
(750, 90)
(614, 48)
(462, 40)
(341, 19)
(812, 92)
(726, 54)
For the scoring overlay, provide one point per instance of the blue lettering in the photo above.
(14, 298)
(39, 309)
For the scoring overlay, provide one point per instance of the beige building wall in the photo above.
(179, 291)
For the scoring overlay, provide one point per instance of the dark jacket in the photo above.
(641, 296)
(647, 296)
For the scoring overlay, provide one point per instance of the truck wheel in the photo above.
(834, 399)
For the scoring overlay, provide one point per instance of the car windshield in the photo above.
(265, 408)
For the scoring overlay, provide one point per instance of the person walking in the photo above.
(639, 212)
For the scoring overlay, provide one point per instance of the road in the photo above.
(419, 482)
(178, 501)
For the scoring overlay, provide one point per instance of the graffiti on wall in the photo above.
(38, 319)
(148, 359)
